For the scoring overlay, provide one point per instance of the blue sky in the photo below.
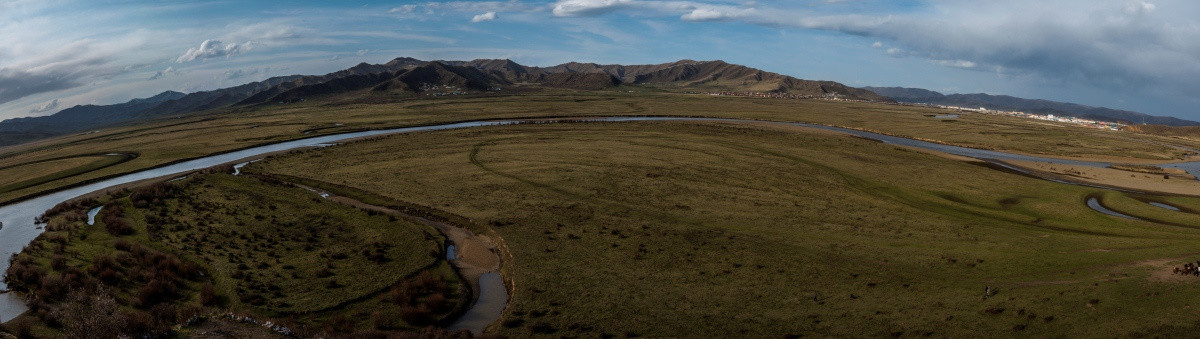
(1127, 54)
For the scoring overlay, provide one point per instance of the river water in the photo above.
(18, 218)
(492, 300)
(1094, 203)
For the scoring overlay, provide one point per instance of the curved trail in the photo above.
(19, 229)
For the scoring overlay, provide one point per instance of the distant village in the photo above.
(1108, 125)
(776, 95)
(436, 90)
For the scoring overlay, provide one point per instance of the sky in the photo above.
(1126, 54)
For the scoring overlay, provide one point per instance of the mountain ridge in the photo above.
(409, 75)
(1039, 106)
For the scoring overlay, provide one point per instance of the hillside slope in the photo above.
(415, 76)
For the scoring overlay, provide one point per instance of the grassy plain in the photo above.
(236, 244)
(217, 131)
(668, 228)
(700, 229)
(20, 176)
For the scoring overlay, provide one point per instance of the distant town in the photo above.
(1114, 126)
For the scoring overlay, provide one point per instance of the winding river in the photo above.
(18, 218)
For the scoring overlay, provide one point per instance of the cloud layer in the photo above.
(1107, 43)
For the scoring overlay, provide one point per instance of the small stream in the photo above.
(92, 215)
(1094, 203)
(237, 168)
(492, 299)
(1162, 205)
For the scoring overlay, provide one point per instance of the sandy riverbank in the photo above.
(1172, 181)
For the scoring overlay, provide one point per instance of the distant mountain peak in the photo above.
(160, 97)
(403, 61)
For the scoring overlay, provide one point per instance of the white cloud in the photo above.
(439, 8)
(405, 9)
(588, 7)
(489, 16)
(49, 106)
(705, 14)
(265, 35)
(1140, 7)
(688, 10)
(213, 49)
(362, 52)
(877, 44)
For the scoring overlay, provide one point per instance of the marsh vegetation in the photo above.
(189, 251)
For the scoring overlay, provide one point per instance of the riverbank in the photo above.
(243, 244)
(475, 256)
(1173, 181)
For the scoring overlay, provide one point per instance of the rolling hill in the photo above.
(408, 75)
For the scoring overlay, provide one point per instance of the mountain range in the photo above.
(1038, 106)
(408, 75)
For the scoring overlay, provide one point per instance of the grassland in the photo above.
(650, 228)
(171, 140)
(218, 243)
(21, 176)
(696, 229)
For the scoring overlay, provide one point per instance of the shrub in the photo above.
(58, 262)
(339, 324)
(118, 227)
(208, 294)
(156, 291)
(438, 302)
(113, 217)
(122, 245)
(386, 319)
(416, 316)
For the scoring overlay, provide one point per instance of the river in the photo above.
(18, 218)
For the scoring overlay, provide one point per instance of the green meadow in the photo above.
(691, 229)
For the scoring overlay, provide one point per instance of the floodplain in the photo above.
(651, 228)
